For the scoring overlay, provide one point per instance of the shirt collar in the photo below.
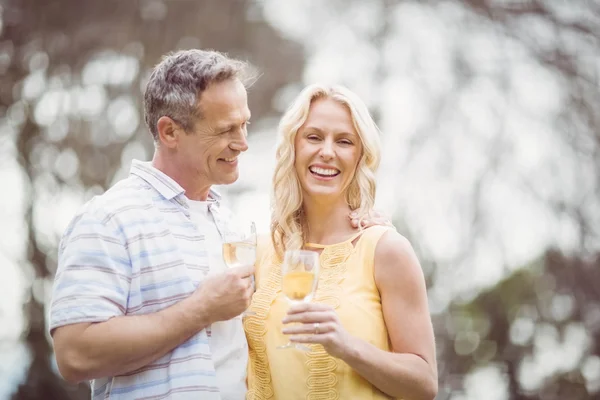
(163, 183)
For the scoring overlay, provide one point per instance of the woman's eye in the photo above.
(313, 137)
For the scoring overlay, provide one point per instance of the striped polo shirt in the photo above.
(131, 251)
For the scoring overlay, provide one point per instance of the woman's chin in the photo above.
(322, 193)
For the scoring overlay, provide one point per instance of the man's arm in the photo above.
(125, 344)
(93, 337)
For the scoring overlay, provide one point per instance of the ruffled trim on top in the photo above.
(322, 378)
(256, 329)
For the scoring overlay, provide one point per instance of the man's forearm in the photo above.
(125, 344)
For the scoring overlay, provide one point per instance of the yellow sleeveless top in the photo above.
(347, 283)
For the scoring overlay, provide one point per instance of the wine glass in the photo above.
(299, 278)
(239, 249)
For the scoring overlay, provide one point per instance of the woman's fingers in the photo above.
(316, 328)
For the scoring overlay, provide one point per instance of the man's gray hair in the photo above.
(177, 82)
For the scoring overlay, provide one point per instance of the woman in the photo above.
(368, 325)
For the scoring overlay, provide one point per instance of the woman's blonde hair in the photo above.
(286, 217)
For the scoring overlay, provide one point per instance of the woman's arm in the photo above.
(409, 371)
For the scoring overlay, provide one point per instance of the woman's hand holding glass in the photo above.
(299, 278)
(319, 324)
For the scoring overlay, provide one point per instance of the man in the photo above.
(135, 309)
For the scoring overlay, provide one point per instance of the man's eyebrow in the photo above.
(223, 128)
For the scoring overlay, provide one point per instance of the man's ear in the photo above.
(168, 132)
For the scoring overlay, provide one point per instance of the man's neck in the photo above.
(327, 222)
(194, 190)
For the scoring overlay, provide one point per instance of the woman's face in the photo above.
(328, 150)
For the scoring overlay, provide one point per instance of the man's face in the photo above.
(210, 152)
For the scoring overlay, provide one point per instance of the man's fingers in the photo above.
(244, 271)
(250, 291)
(373, 217)
(250, 283)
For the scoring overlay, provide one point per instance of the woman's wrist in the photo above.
(351, 350)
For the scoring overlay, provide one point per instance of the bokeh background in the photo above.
(490, 113)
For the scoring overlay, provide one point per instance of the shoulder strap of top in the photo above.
(368, 243)
(323, 246)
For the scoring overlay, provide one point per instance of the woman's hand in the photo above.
(320, 324)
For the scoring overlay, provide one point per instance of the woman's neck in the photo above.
(327, 222)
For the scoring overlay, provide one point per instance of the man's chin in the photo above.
(229, 179)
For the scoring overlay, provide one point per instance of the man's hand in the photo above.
(373, 218)
(226, 295)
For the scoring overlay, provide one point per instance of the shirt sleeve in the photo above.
(93, 275)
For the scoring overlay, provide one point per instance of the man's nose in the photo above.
(240, 143)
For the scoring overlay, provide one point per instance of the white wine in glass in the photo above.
(239, 253)
(239, 249)
(297, 286)
(299, 278)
